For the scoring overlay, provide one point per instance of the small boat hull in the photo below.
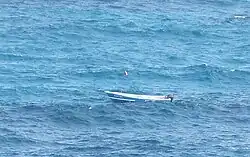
(127, 97)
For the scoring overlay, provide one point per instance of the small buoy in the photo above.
(125, 73)
(90, 108)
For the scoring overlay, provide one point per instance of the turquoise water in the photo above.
(57, 58)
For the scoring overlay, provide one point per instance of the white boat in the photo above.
(119, 96)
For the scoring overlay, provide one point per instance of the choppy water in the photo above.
(57, 58)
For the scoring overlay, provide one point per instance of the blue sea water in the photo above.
(57, 58)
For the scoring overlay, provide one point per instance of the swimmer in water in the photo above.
(125, 73)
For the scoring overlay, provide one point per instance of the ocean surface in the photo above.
(58, 56)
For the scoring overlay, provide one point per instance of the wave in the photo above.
(16, 58)
(219, 3)
(205, 72)
(132, 29)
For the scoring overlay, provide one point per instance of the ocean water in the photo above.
(57, 58)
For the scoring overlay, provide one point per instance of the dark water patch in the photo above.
(111, 29)
(227, 3)
(58, 155)
(145, 141)
(237, 60)
(118, 122)
(242, 119)
(97, 73)
(109, 120)
(91, 150)
(174, 30)
(131, 24)
(15, 139)
(152, 74)
(113, 6)
(114, 133)
(167, 112)
(33, 107)
(12, 57)
(6, 131)
(65, 118)
(237, 107)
